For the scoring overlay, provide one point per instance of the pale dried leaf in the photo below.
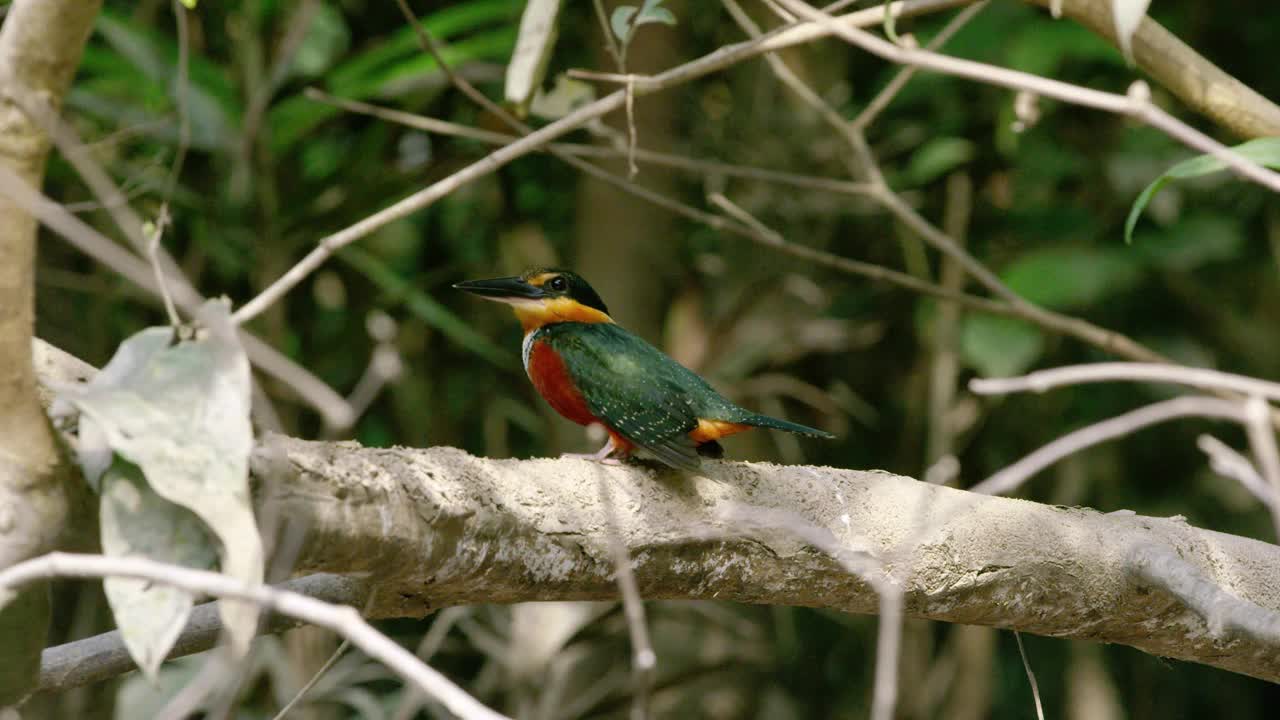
(1127, 14)
(180, 411)
(534, 44)
(136, 522)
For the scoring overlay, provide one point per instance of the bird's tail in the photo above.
(778, 424)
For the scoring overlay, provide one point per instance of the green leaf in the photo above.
(656, 14)
(138, 522)
(445, 25)
(324, 43)
(424, 307)
(1264, 151)
(620, 22)
(291, 119)
(180, 411)
(189, 4)
(938, 157)
(212, 102)
(1066, 278)
(997, 346)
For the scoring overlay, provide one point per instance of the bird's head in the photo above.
(543, 296)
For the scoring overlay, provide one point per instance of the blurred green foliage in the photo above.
(270, 171)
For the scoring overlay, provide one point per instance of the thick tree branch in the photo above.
(439, 527)
(40, 46)
(1183, 72)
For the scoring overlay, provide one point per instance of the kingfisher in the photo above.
(593, 371)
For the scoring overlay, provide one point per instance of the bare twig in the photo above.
(1109, 340)
(184, 116)
(153, 254)
(644, 661)
(94, 659)
(1014, 475)
(1227, 462)
(944, 350)
(1031, 676)
(806, 94)
(315, 678)
(681, 162)
(85, 238)
(903, 76)
(610, 43)
(1262, 439)
(1136, 104)
(880, 192)
(853, 556)
(343, 620)
(717, 60)
(1199, 378)
(298, 23)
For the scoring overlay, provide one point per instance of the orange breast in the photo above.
(549, 376)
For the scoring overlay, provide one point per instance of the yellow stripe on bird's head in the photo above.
(543, 296)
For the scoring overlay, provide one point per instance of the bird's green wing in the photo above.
(632, 386)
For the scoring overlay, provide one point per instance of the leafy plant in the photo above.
(1264, 151)
(626, 19)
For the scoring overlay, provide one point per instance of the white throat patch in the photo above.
(526, 348)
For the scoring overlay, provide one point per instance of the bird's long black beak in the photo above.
(502, 289)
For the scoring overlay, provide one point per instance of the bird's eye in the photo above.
(558, 284)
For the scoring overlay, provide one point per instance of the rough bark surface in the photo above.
(438, 527)
(1182, 71)
(40, 46)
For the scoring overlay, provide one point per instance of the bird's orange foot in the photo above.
(601, 456)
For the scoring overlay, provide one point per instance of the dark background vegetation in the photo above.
(775, 333)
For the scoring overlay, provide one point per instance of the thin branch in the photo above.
(757, 231)
(644, 661)
(341, 619)
(862, 157)
(797, 86)
(1262, 439)
(903, 76)
(101, 657)
(310, 389)
(1225, 461)
(854, 557)
(1109, 340)
(1223, 613)
(1136, 104)
(427, 522)
(1008, 479)
(153, 254)
(717, 60)
(184, 115)
(702, 167)
(298, 24)
(1199, 378)
(610, 43)
(944, 348)
(315, 678)
(1031, 676)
